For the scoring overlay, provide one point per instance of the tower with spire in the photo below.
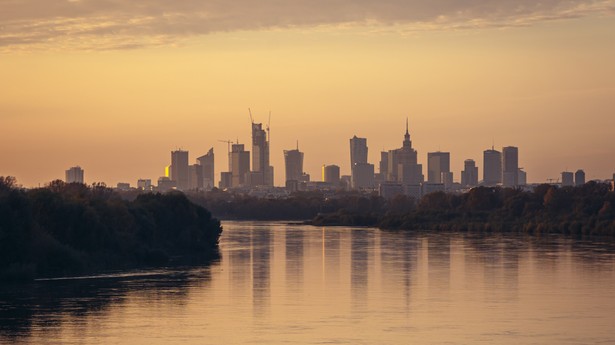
(403, 166)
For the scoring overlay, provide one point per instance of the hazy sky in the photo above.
(115, 85)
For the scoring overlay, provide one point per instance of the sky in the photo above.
(113, 86)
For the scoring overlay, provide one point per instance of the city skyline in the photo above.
(245, 172)
(114, 87)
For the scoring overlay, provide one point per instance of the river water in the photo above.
(295, 284)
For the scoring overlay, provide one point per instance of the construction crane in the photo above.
(251, 118)
(228, 142)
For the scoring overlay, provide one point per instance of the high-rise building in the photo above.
(384, 164)
(492, 167)
(263, 172)
(579, 178)
(74, 175)
(362, 176)
(207, 169)
(293, 161)
(358, 150)
(403, 166)
(180, 171)
(469, 175)
(510, 166)
(240, 165)
(437, 163)
(226, 179)
(358, 159)
(331, 174)
(567, 179)
(196, 177)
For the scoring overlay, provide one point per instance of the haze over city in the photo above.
(114, 87)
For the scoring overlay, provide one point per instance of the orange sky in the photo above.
(115, 90)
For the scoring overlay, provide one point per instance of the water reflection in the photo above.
(45, 306)
(261, 263)
(279, 283)
(294, 246)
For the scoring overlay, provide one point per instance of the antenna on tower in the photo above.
(297, 145)
(269, 123)
(407, 125)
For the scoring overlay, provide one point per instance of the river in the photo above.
(294, 284)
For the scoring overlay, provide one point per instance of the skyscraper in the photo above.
(358, 157)
(74, 175)
(579, 178)
(469, 175)
(293, 160)
(262, 171)
(384, 164)
(240, 165)
(358, 150)
(207, 167)
(180, 172)
(437, 163)
(492, 167)
(402, 163)
(510, 166)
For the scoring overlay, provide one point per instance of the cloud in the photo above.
(124, 24)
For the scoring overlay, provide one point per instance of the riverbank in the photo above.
(578, 211)
(74, 229)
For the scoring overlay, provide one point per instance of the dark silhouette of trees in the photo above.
(66, 229)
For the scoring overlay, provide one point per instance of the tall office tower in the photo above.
(196, 176)
(579, 178)
(74, 175)
(262, 171)
(293, 161)
(358, 157)
(384, 164)
(331, 174)
(437, 163)
(403, 166)
(180, 171)
(358, 150)
(492, 167)
(567, 179)
(240, 165)
(207, 169)
(469, 175)
(510, 166)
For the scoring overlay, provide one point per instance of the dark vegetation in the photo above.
(587, 210)
(69, 229)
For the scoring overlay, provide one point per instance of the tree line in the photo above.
(67, 229)
(582, 210)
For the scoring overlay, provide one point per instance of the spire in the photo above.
(407, 142)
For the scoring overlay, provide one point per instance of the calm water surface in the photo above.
(293, 284)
